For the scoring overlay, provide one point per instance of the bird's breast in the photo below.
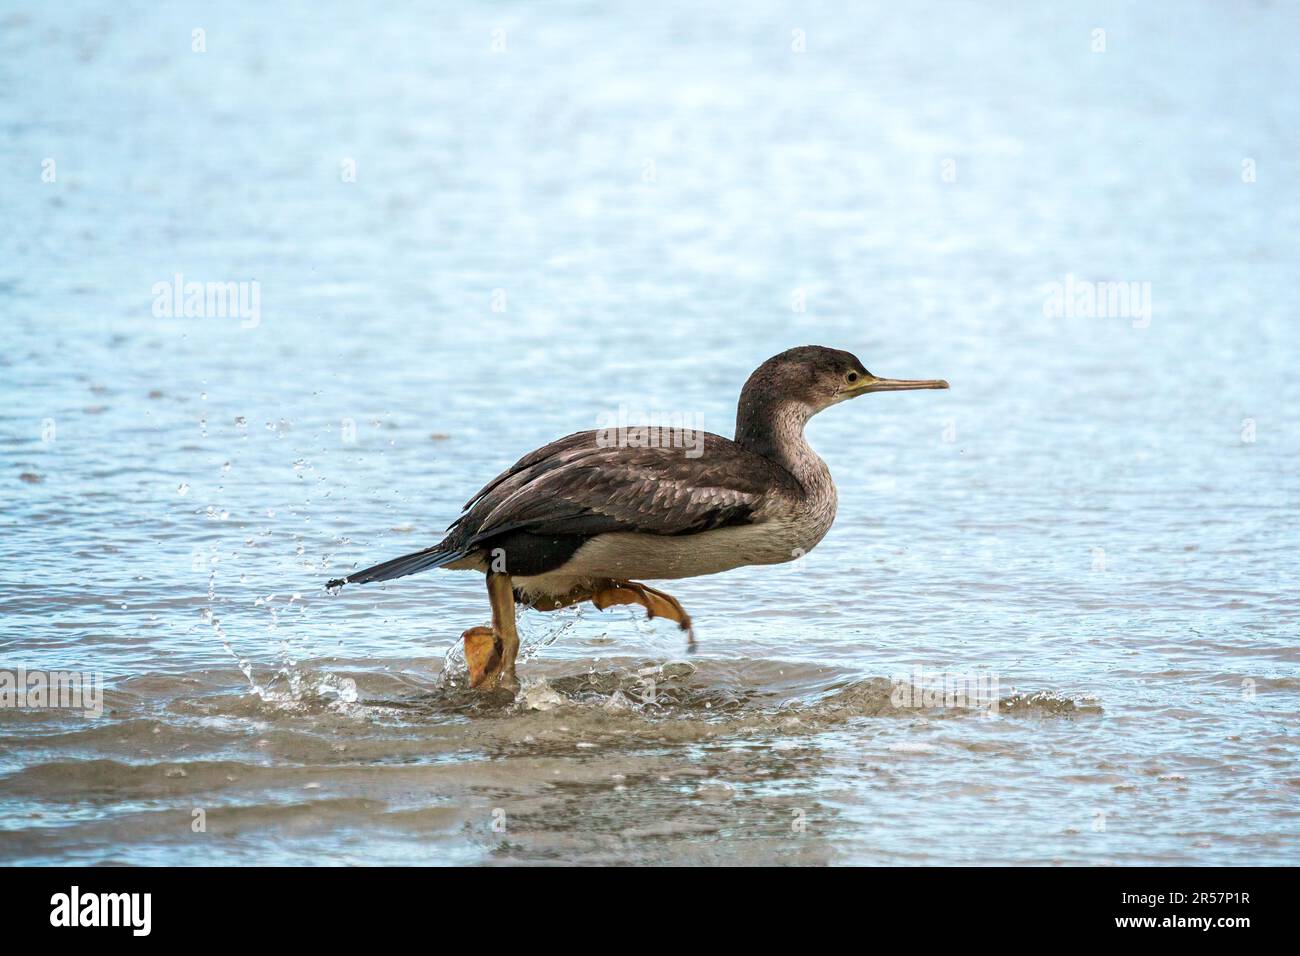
(801, 524)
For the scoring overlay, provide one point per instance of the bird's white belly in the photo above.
(647, 557)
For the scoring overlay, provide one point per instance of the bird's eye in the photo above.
(851, 377)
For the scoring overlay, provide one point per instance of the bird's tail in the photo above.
(434, 557)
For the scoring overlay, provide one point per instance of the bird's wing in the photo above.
(552, 451)
(575, 486)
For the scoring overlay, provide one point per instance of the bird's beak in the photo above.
(873, 384)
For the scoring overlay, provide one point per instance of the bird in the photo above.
(591, 516)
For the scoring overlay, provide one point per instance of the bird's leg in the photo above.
(490, 652)
(550, 602)
(656, 603)
(502, 596)
(608, 592)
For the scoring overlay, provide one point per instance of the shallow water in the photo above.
(633, 207)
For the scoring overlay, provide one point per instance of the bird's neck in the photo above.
(775, 431)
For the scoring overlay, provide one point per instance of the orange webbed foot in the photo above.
(483, 655)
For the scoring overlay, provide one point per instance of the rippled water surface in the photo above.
(564, 209)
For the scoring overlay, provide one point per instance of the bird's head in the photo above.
(818, 378)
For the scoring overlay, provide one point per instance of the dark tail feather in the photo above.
(399, 567)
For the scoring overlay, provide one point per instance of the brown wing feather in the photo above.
(574, 486)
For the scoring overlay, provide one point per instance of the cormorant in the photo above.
(581, 518)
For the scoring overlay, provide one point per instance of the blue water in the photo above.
(476, 229)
